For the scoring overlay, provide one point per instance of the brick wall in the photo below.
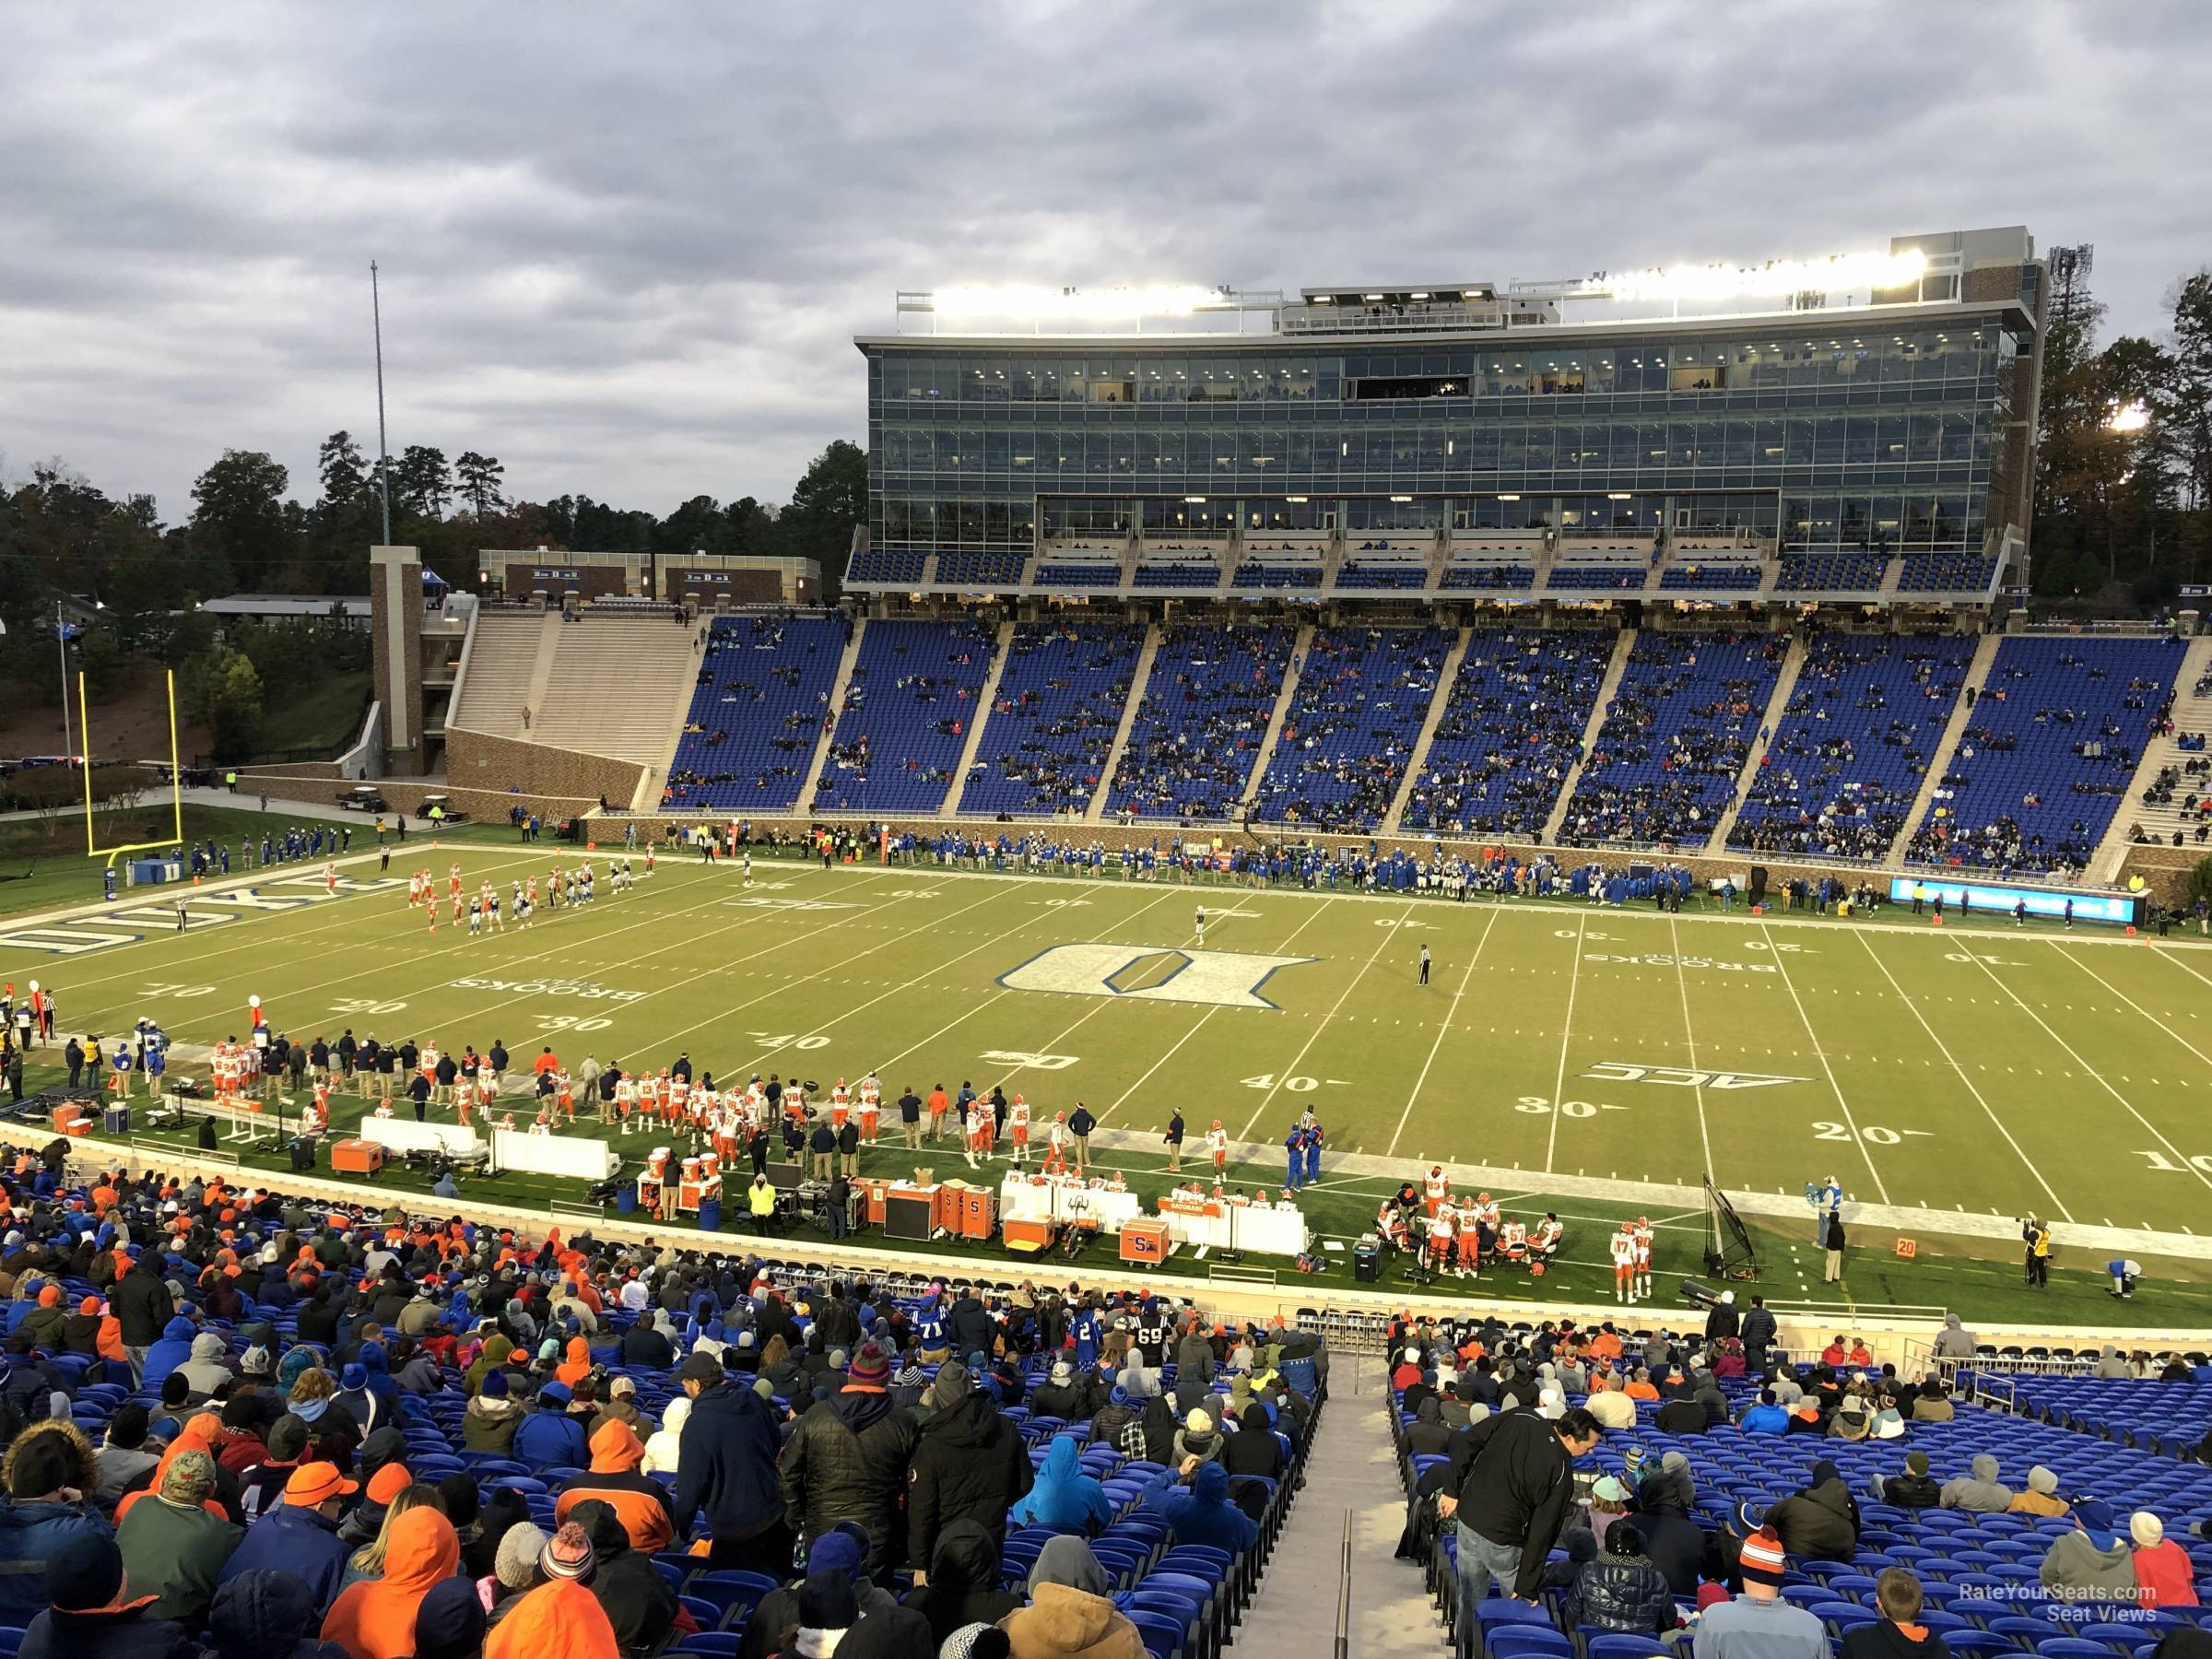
(477, 760)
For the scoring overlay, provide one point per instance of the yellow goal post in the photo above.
(176, 782)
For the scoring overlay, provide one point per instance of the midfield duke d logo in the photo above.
(1676, 1076)
(1226, 979)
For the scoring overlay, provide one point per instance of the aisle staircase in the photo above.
(1977, 675)
(1142, 677)
(1281, 714)
(1446, 679)
(1607, 688)
(1336, 1562)
(2191, 713)
(838, 688)
(984, 698)
(1778, 705)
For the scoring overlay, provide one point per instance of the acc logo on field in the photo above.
(1676, 1077)
(1225, 979)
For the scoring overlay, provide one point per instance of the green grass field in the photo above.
(1978, 1069)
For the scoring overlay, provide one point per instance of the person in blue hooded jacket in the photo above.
(551, 1437)
(1204, 1515)
(172, 1350)
(1064, 1496)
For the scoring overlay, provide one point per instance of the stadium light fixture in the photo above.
(1619, 495)
(1195, 500)
(1296, 501)
(2129, 417)
(1508, 498)
(1836, 274)
(1014, 299)
(1401, 498)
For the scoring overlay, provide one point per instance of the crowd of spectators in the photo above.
(435, 1436)
(1675, 738)
(1511, 732)
(1054, 717)
(1203, 715)
(1361, 696)
(1851, 752)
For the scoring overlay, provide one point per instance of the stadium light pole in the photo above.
(384, 464)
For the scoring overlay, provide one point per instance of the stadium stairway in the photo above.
(1331, 559)
(1786, 683)
(503, 653)
(2191, 713)
(1351, 1479)
(1892, 573)
(1439, 558)
(984, 700)
(1138, 680)
(609, 683)
(1446, 678)
(1282, 709)
(1977, 675)
(1605, 692)
(838, 688)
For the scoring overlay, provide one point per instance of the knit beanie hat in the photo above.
(568, 1554)
(515, 1562)
(976, 1641)
(85, 1573)
(2041, 1479)
(826, 1603)
(449, 1621)
(2147, 1529)
(1198, 1422)
(950, 1387)
(494, 1386)
(871, 1368)
(1917, 1462)
(1763, 1561)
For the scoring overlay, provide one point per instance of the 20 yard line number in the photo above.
(1874, 1134)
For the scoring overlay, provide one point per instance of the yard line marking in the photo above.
(2057, 1204)
(2166, 955)
(1449, 1015)
(822, 1026)
(2096, 1077)
(1559, 1083)
(276, 873)
(1390, 935)
(1200, 1021)
(1674, 933)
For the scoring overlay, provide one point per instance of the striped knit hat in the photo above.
(1763, 1560)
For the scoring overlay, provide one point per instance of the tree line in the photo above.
(62, 536)
(2123, 465)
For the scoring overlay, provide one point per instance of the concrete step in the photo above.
(1338, 1553)
(984, 700)
(1611, 684)
(1977, 675)
(1138, 680)
(1445, 680)
(1778, 705)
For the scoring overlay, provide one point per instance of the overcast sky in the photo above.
(626, 246)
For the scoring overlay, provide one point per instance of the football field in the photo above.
(1977, 1070)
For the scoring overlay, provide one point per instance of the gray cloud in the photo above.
(626, 248)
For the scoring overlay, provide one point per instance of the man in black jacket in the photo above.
(969, 1465)
(1513, 1498)
(1759, 1335)
(142, 1305)
(848, 1457)
(1722, 1320)
(726, 1465)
